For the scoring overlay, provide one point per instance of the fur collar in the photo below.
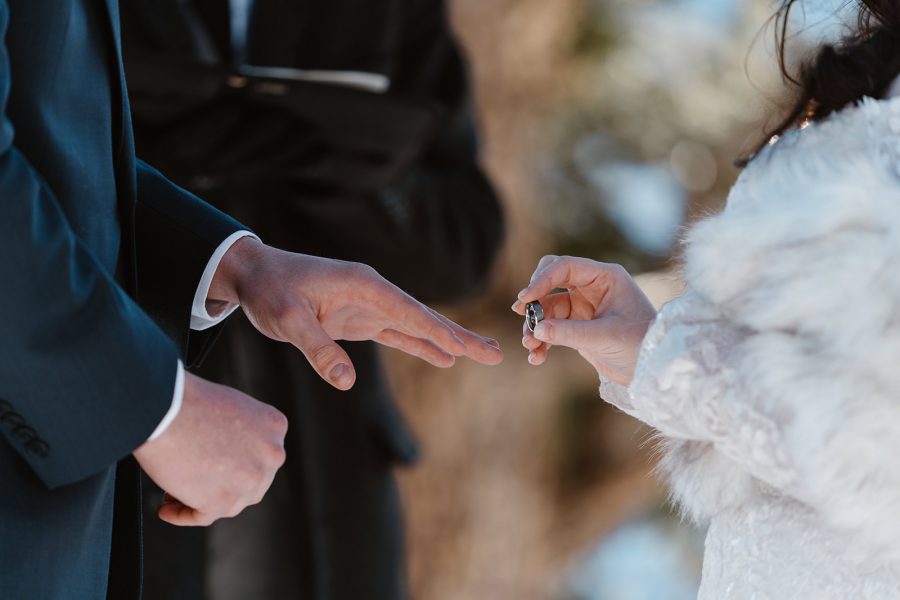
(806, 258)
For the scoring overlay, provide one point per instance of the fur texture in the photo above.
(779, 371)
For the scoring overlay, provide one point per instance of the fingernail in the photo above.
(492, 342)
(542, 332)
(522, 293)
(532, 358)
(516, 305)
(341, 375)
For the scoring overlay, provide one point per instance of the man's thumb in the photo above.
(326, 357)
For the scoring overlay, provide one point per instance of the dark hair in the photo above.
(861, 64)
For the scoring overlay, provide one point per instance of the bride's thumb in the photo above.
(571, 333)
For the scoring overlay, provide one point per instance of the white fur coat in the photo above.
(775, 380)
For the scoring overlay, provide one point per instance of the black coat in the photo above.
(101, 257)
(390, 180)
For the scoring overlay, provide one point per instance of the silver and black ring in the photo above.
(534, 314)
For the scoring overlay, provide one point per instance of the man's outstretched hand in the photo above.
(310, 302)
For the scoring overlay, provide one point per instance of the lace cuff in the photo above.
(618, 395)
(686, 386)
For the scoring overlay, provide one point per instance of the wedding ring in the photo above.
(534, 314)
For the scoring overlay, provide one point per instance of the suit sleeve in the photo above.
(85, 374)
(176, 233)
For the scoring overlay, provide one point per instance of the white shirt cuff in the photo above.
(200, 317)
(177, 399)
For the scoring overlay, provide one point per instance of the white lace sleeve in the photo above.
(685, 387)
(762, 401)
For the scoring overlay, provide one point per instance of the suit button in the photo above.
(12, 420)
(24, 433)
(38, 447)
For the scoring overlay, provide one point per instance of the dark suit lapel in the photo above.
(122, 126)
(112, 11)
(123, 140)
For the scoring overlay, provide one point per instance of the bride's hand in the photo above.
(602, 314)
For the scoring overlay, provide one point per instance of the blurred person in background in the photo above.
(339, 128)
(773, 380)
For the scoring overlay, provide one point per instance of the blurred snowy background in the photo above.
(608, 126)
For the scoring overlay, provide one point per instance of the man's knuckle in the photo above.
(206, 520)
(279, 422)
(276, 454)
(235, 509)
(357, 270)
(285, 312)
(257, 498)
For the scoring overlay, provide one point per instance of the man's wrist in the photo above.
(206, 313)
(236, 265)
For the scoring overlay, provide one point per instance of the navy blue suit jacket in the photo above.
(100, 257)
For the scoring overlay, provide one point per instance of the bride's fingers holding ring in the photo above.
(538, 356)
(537, 350)
(555, 306)
(528, 340)
(519, 306)
(570, 273)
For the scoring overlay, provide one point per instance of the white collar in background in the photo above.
(239, 11)
(370, 82)
(240, 21)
